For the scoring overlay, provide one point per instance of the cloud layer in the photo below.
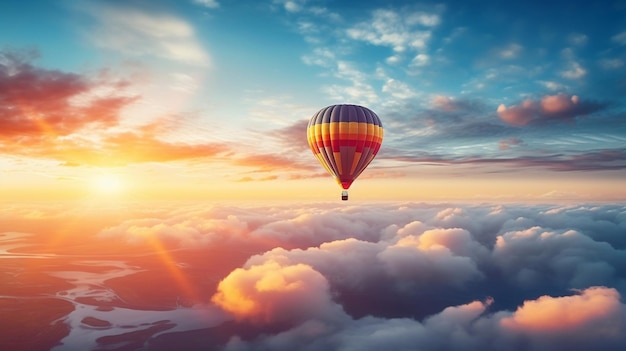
(411, 276)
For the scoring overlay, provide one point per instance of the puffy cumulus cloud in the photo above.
(550, 108)
(272, 293)
(420, 260)
(594, 310)
(368, 275)
(536, 256)
(518, 115)
(466, 327)
(558, 104)
(593, 318)
(457, 240)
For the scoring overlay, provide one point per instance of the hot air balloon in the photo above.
(345, 139)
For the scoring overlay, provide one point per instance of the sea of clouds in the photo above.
(410, 276)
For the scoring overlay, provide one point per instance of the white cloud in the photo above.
(591, 318)
(323, 57)
(395, 30)
(619, 38)
(578, 39)
(511, 51)
(292, 6)
(303, 7)
(394, 59)
(552, 85)
(423, 19)
(359, 90)
(420, 60)
(212, 4)
(612, 63)
(141, 32)
(575, 71)
(398, 89)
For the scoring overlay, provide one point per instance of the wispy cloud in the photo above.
(320, 56)
(578, 39)
(511, 51)
(76, 119)
(405, 31)
(43, 102)
(574, 71)
(398, 30)
(273, 162)
(619, 38)
(611, 64)
(597, 160)
(507, 144)
(212, 4)
(291, 5)
(293, 137)
(145, 32)
(359, 89)
(552, 85)
(305, 7)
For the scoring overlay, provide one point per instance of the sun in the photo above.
(107, 184)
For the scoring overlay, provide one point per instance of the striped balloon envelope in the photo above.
(345, 139)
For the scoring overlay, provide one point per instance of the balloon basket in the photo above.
(344, 195)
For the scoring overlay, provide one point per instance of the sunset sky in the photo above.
(209, 99)
(157, 190)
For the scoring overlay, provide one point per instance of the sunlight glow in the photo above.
(107, 184)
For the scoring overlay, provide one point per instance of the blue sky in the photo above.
(476, 87)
